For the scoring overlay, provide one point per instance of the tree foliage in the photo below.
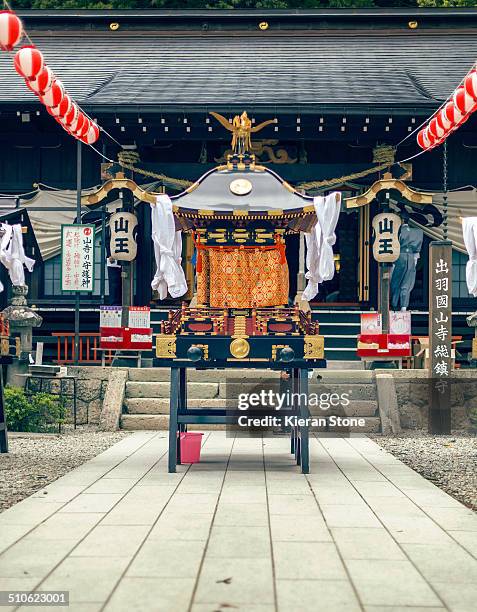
(447, 3)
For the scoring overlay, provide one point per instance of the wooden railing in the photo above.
(89, 349)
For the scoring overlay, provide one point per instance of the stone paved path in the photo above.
(243, 530)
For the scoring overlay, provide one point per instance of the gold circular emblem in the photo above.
(241, 187)
(239, 348)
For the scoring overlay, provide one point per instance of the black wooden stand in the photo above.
(181, 415)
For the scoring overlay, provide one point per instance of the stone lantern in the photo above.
(22, 320)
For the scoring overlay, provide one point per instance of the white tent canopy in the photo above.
(47, 223)
(460, 204)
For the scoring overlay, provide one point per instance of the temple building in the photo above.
(340, 94)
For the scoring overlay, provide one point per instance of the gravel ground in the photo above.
(35, 460)
(450, 462)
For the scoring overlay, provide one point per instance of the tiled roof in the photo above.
(286, 70)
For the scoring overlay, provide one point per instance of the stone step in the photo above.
(353, 390)
(160, 406)
(360, 408)
(200, 390)
(345, 365)
(140, 422)
(340, 375)
(163, 374)
(136, 422)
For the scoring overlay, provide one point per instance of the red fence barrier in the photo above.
(89, 349)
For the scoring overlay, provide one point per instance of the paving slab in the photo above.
(307, 595)
(388, 583)
(88, 579)
(307, 561)
(158, 594)
(244, 530)
(112, 541)
(168, 559)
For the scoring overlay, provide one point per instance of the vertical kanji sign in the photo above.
(77, 258)
(440, 335)
(123, 244)
(386, 246)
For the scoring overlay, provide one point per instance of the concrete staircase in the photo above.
(146, 404)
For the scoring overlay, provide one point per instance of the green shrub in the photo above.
(38, 412)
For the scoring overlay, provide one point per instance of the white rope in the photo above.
(440, 108)
(25, 33)
(101, 155)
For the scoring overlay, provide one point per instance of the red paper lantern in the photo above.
(42, 83)
(81, 132)
(54, 110)
(442, 121)
(59, 121)
(452, 114)
(11, 30)
(70, 116)
(64, 106)
(470, 84)
(462, 100)
(78, 125)
(75, 123)
(422, 139)
(434, 129)
(28, 84)
(91, 135)
(54, 95)
(463, 120)
(430, 137)
(28, 62)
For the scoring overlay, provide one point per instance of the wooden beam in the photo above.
(416, 197)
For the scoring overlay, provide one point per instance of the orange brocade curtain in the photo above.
(242, 277)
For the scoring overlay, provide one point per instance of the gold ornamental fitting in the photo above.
(239, 348)
(165, 346)
(314, 347)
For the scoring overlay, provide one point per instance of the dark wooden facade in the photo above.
(317, 139)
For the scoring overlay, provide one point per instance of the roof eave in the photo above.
(226, 14)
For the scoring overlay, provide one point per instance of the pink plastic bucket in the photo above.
(190, 447)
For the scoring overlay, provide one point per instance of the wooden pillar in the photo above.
(385, 271)
(126, 266)
(144, 256)
(440, 336)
